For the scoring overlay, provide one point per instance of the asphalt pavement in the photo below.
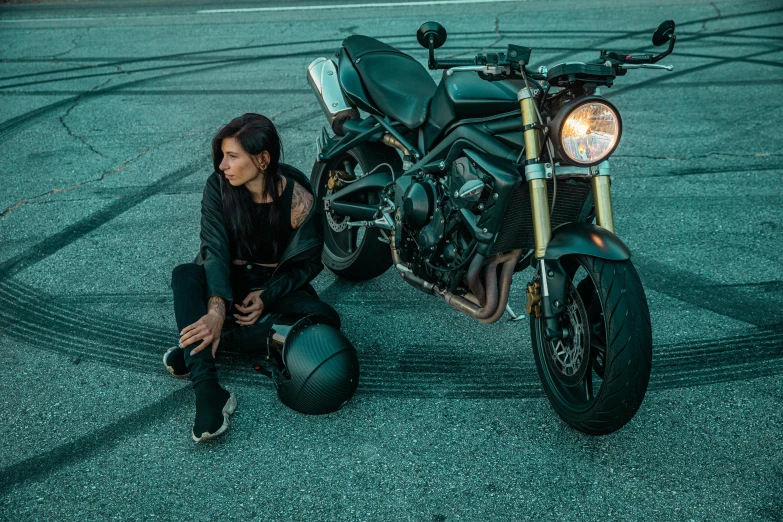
(107, 110)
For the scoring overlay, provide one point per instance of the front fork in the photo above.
(548, 299)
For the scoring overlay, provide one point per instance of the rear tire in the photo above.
(607, 302)
(355, 253)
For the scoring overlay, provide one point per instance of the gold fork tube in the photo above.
(539, 202)
(540, 207)
(602, 199)
(532, 136)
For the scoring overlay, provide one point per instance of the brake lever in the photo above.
(644, 66)
(486, 69)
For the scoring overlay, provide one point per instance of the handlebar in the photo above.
(497, 66)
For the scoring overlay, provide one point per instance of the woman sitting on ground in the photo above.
(261, 246)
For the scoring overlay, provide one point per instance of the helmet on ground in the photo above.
(317, 369)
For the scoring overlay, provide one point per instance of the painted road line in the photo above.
(351, 6)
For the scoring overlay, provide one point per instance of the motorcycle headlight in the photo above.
(586, 131)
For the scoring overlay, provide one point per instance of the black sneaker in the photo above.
(174, 361)
(213, 407)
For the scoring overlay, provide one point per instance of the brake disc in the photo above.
(570, 357)
(338, 225)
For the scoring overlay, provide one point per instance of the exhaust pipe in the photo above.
(322, 77)
(497, 292)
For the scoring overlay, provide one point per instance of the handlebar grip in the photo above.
(630, 58)
(638, 58)
(448, 64)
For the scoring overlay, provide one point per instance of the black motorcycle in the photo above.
(448, 185)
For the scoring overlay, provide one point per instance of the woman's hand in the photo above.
(207, 329)
(252, 307)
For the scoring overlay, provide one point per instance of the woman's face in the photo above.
(238, 166)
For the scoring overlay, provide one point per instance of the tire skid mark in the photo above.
(114, 331)
(77, 230)
(212, 64)
(89, 352)
(675, 382)
(22, 293)
(30, 117)
(753, 349)
(691, 70)
(420, 368)
(16, 327)
(191, 55)
(700, 292)
(200, 56)
(19, 122)
(65, 343)
(94, 442)
(166, 92)
(630, 34)
(742, 367)
(577, 33)
(385, 375)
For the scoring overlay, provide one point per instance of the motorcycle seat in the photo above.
(400, 86)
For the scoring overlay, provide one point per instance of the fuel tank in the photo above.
(465, 95)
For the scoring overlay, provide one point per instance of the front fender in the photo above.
(570, 239)
(586, 239)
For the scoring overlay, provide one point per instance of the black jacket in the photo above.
(299, 263)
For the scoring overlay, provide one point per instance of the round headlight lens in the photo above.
(590, 132)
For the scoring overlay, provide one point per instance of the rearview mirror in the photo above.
(663, 34)
(431, 30)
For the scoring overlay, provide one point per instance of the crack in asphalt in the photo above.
(704, 24)
(19, 122)
(288, 111)
(75, 44)
(103, 176)
(495, 31)
(54, 243)
(72, 134)
(79, 229)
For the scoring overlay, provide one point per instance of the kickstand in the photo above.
(513, 316)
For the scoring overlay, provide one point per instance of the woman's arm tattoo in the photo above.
(218, 305)
(301, 203)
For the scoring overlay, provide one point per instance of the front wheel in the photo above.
(596, 377)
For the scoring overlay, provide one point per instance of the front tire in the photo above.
(609, 328)
(354, 253)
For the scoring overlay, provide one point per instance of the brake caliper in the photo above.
(336, 178)
(533, 293)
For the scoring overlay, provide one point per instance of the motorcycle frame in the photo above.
(476, 137)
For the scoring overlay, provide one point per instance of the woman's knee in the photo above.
(325, 312)
(187, 272)
(300, 302)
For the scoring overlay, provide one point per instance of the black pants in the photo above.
(188, 282)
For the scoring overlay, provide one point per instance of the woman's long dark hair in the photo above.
(255, 133)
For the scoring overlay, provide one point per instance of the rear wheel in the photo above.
(597, 376)
(355, 253)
